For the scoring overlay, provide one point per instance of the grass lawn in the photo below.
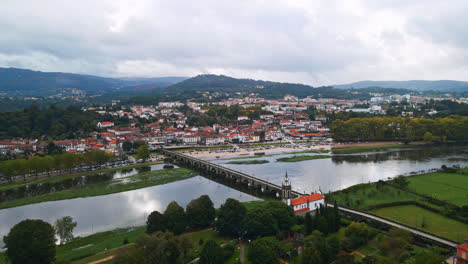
(69, 176)
(87, 247)
(248, 162)
(368, 148)
(450, 187)
(302, 158)
(133, 182)
(253, 204)
(364, 195)
(93, 247)
(435, 223)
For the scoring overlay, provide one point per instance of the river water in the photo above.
(342, 171)
(101, 213)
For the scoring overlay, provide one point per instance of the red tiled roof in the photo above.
(307, 198)
(463, 246)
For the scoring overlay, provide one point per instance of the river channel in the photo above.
(106, 212)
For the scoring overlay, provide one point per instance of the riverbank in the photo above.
(248, 162)
(370, 146)
(302, 158)
(437, 197)
(137, 181)
(83, 250)
(264, 150)
(74, 175)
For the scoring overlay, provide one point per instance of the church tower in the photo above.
(286, 188)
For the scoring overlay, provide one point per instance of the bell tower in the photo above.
(286, 188)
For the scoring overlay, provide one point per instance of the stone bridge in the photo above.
(226, 173)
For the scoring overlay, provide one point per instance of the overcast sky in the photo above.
(314, 42)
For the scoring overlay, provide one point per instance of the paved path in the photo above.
(404, 227)
(101, 260)
(241, 253)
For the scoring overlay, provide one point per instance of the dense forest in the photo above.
(399, 128)
(51, 123)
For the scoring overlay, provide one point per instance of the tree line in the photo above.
(400, 128)
(52, 122)
(39, 164)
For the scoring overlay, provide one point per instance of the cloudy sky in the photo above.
(317, 42)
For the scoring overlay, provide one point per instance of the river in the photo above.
(106, 212)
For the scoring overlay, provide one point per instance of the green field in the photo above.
(91, 245)
(133, 182)
(302, 158)
(450, 187)
(434, 223)
(364, 195)
(248, 162)
(370, 148)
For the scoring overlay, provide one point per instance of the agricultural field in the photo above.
(450, 187)
(425, 220)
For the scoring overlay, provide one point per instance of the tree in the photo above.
(200, 212)
(260, 222)
(31, 242)
(427, 137)
(309, 227)
(230, 218)
(155, 222)
(174, 218)
(309, 256)
(428, 258)
(143, 152)
(211, 253)
(127, 146)
(64, 229)
(283, 214)
(157, 248)
(265, 250)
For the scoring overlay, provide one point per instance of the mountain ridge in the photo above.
(25, 82)
(417, 85)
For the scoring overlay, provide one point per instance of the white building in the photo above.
(307, 203)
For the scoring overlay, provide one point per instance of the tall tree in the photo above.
(143, 152)
(175, 219)
(155, 222)
(31, 242)
(230, 218)
(64, 229)
(201, 212)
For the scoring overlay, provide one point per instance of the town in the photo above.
(254, 120)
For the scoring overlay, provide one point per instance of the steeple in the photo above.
(286, 180)
(286, 188)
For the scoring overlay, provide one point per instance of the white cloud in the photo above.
(317, 42)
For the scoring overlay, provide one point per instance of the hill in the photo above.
(225, 84)
(23, 82)
(417, 85)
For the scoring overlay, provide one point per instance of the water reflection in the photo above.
(342, 171)
(31, 190)
(100, 213)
